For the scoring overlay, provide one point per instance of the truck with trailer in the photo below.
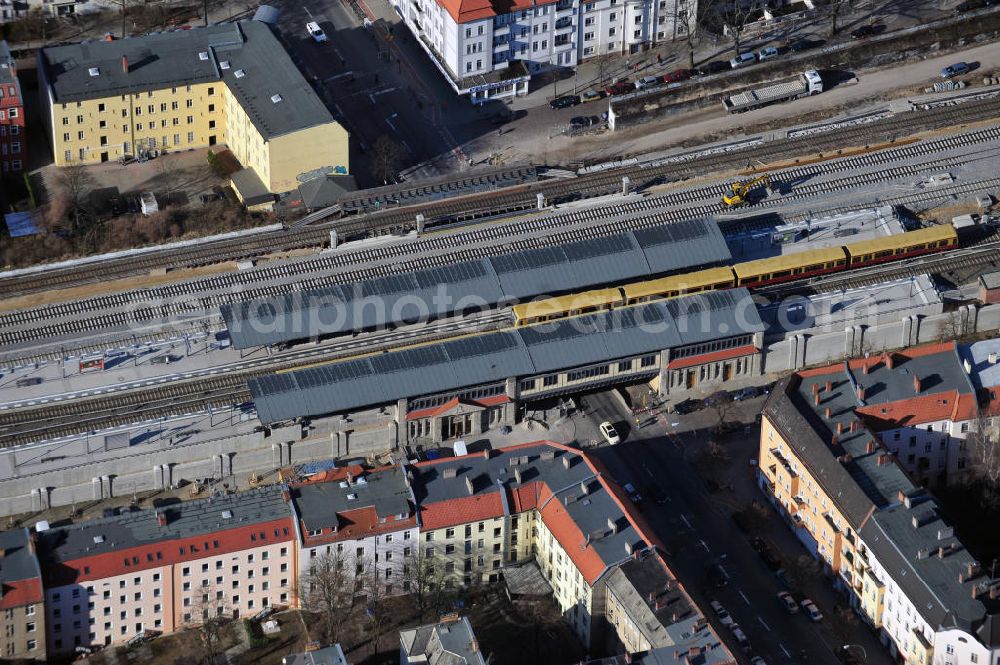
(807, 83)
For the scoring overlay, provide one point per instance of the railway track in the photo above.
(175, 301)
(508, 200)
(58, 416)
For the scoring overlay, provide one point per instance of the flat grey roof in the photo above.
(7, 66)
(172, 59)
(641, 587)
(201, 517)
(320, 505)
(444, 643)
(507, 278)
(471, 361)
(327, 655)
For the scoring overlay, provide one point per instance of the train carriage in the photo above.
(710, 279)
(573, 304)
(796, 265)
(902, 245)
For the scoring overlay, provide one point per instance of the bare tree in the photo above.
(983, 440)
(802, 569)
(721, 403)
(210, 614)
(843, 623)
(74, 183)
(325, 589)
(170, 175)
(386, 154)
(376, 611)
(955, 328)
(835, 7)
(421, 578)
(733, 16)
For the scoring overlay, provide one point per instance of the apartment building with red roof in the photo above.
(109, 580)
(13, 138)
(22, 608)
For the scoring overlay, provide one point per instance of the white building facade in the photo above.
(490, 51)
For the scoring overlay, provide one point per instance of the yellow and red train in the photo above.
(759, 272)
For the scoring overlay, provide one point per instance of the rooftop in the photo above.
(990, 280)
(475, 360)
(246, 56)
(584, 509)
(224, 522)
(325, 505)
(983, 359)
(7, 68)
(449, 642)
(652, 597)
(698, 644)
(20, 576)
(326, 656)
(359, 304)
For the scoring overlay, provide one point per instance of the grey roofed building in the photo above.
(652, 599)
(325, 190)
(471, 361)
(564, 471)
(174, 59)
(321, 505)
(906, 540)
(185, 519)
(507, 278)
(251, 187)
(17, 557)
(333, 655)
(449, 642)
(983, 360)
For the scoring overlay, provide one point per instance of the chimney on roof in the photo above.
(628, 548)
(922, 554)
(870, 448)
(828, 413)
(125, 64)
(660, 604)
(972, 569)
(468, 485)
(916, 384)
(694, 652)
(945, 532)
(861, 392)
(866, 368)
(612, 525)
(901, 495)
(883, 459)
(834, 440)
(628, 657)
(517, 476)
(940, 552)
(486, 453)
(583, 488)
(548, 454)
(286, 496)
(652, 596)
(815, 388)
(890, 361)
(3, 552)
(854, 425)
(816, 399)
(975, 590)
(350, 477)
(565, 460)
(840, 428)
(474, 645)
(161, 518)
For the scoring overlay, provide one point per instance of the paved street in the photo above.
(696, 526)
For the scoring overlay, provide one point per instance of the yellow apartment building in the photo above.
(229, 84)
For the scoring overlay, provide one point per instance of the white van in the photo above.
(742, 59)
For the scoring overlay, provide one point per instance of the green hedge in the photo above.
(253, 636)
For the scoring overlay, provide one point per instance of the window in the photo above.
(611, 33)
(188, 103)
(190, 137)
(31, 645)
(190, 120)
(449, 533)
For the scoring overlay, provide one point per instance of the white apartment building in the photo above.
(364, 519)
(490, 50)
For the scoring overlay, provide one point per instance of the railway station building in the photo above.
(230, 84)
(471, 385)
(851, 490)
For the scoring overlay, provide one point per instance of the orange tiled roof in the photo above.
(21, 592)
(873, 360)
(950, 405)
(333, 475)
(358, 524)
(715, 356)
(465, 11)
(565, 530)
(434, 411)
(465, 509)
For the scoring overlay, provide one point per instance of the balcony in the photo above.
(563, 8)
(564, 22)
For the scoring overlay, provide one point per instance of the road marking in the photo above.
(338, 76)
(684, 517)
(702, 543)
(766, 627)
(648, 471)
(745, 599)
(784, 650)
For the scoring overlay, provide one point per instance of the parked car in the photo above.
(716, 575)
(610, 434)
(956, 69)
(659, 496)
(583, 121)
(632, 492)
(767, 553)
(677, 75)
(742, 59)
(28, 381)
(746, 393)
(811, 610)
(687, 406)
(646, 82)
(316, 32)
(800, 45)
(721, 612)
(767, 53)
(165, 359)
(741, 637)
(867, 31)
(714, 67)
(591, 96)
(619, 88)
(564, 102)
(788, 602)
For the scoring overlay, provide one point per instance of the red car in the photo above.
(677, 75)
(620, 87)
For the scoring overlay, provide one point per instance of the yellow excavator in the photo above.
(739, 195)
